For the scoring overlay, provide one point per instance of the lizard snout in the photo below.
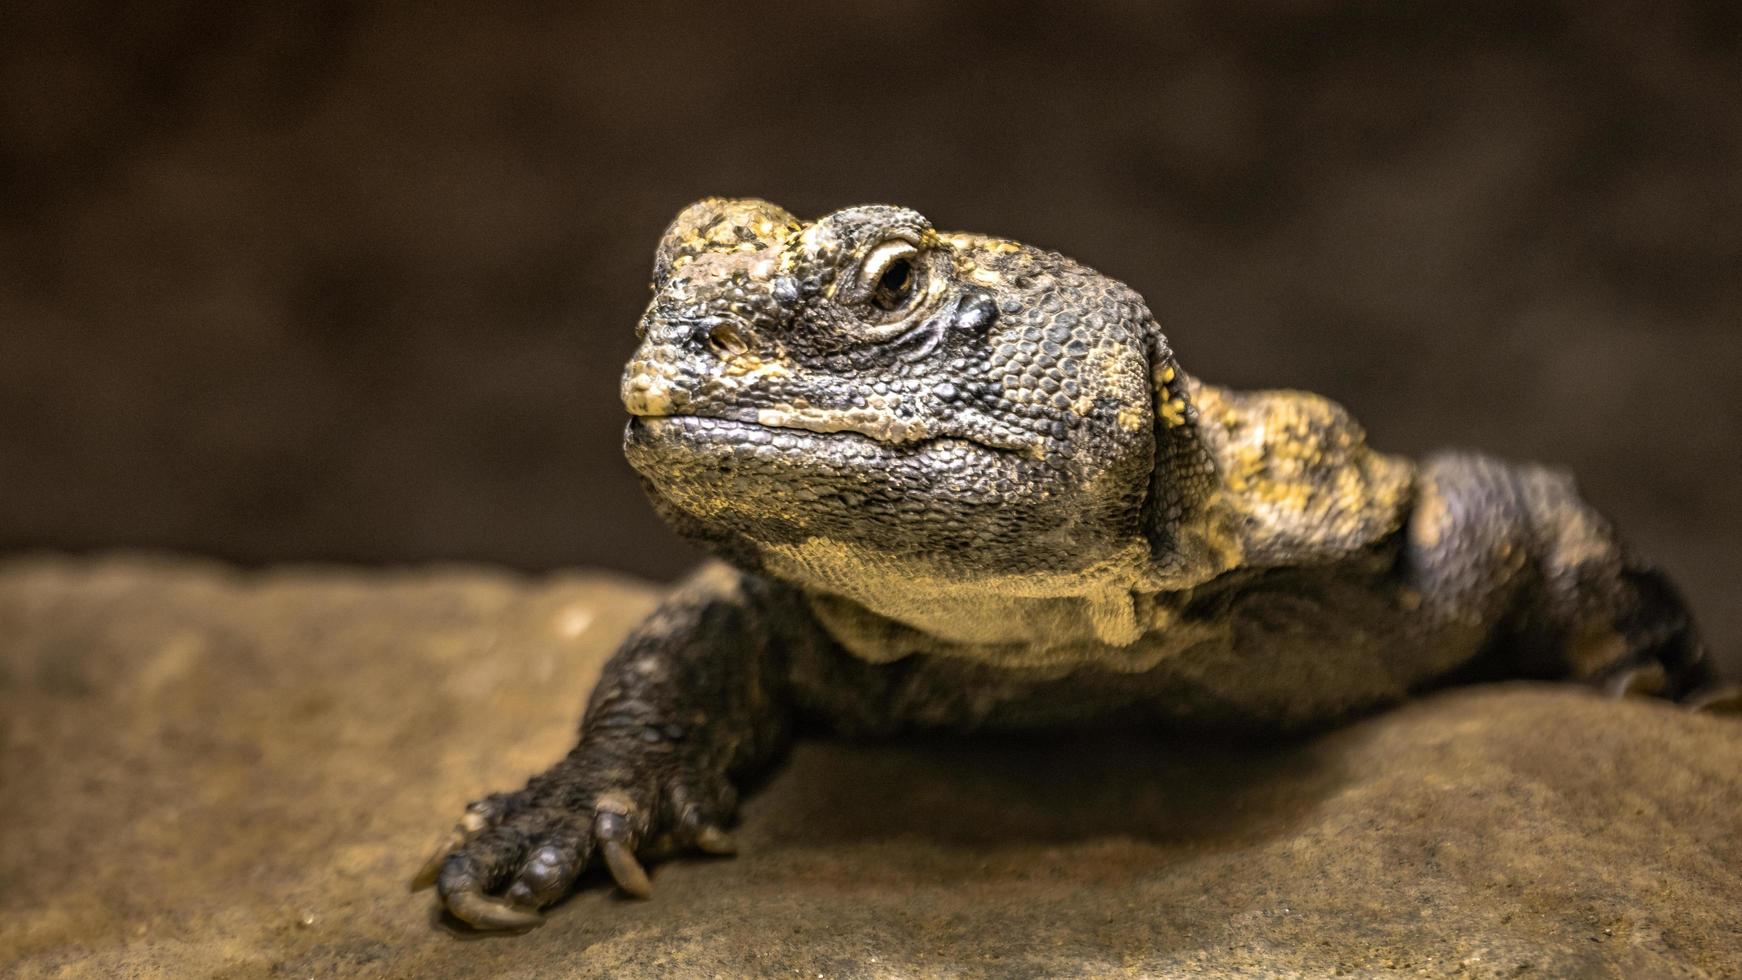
(689, 362)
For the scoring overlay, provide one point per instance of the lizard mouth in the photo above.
(780, 428)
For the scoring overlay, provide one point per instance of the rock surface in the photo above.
(211, 773)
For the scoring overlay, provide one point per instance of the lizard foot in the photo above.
(511, 854)
(1652, 681)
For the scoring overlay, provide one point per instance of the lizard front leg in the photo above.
(1494, 543)
(692, 703)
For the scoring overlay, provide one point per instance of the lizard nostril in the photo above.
(723, 338)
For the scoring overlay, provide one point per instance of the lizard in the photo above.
(956, 482)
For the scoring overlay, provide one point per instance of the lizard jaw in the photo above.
(885, 431)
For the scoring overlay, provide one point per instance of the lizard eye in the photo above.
(895, 285)
(893, 272)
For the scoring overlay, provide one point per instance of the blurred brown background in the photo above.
(336, 281)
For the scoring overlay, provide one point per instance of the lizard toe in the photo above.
(550, 868)
(465, 880)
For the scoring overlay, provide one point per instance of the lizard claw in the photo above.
(485, 912)
(431, 869)
(613, 828)
(1644, 681)
(1725, 700)
(628, 872)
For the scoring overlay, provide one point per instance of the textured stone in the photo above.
(209, 773)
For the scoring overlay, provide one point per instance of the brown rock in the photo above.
(207, 773)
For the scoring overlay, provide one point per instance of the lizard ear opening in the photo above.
(1177, 514)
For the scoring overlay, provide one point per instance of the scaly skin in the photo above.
(959, 482)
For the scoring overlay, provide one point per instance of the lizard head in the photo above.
(816, 399)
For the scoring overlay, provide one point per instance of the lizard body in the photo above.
(954, 481)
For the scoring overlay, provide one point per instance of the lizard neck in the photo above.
(1192, 531)
(1114, 615)
(1127, 632)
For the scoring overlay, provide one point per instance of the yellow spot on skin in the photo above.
(658, 402)
(648, 396)
(985, 276)
(1167, 375)
(1429, 522)
(753, 366)
(877, 425)
(1299, 473)
(1173, 412)
(1130, 418)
